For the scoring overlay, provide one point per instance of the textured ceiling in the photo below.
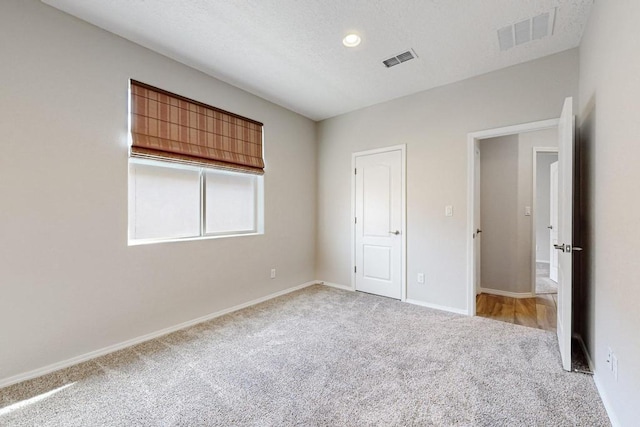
(290, 51)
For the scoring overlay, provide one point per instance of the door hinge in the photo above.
(355, 269)
(355, 171)
(356, 220)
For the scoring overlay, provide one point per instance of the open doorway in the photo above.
(565, 126)
(506, 215)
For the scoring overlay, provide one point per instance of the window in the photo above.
(194, 170)
(170, 202)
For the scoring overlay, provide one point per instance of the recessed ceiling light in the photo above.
(351, 40)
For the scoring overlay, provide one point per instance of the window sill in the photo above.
(140, 242)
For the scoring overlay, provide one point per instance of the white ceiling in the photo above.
(290, 51)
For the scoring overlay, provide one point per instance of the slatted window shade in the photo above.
(169, 127)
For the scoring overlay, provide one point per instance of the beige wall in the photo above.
(609, 133)
(499, 213)
(434, 124)
(69, 282)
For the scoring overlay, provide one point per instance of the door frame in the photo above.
(403, 213)
(556, 207)
(534, 193)
(472, 137)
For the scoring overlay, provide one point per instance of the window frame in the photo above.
(258, 203)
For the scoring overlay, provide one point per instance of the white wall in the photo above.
(543, 206)
(498, 213)
(434, 124)
(609, 129)
(69, 282)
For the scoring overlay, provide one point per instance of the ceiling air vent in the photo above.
(525, 31)
(400, 58)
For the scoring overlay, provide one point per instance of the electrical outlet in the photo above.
(614, 366)
(448, 210)
(420, 278)
(273, 273)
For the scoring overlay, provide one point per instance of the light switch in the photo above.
(448, 210)
(527, 211)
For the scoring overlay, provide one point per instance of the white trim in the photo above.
(336, 285)
(542, 261)
(584, 349)
(403, 214)
(613, 418)
(408, 300)
(534, 213)
(515, 129)
(134, 341)
(472, 137)
(437, 307)
(507, 293)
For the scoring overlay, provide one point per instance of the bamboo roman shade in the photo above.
(169, 127)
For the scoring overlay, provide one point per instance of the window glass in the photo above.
(230, 203)
(165, 202)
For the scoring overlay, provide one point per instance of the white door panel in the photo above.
(378, 209)
(376, 192)
(566, 129)
(376, 262)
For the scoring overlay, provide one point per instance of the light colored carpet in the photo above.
(321, 357)
(544, 285)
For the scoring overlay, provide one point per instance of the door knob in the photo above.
(478, 231)
(395, 232)
(567, 248)
(560, 247)
(550, 227)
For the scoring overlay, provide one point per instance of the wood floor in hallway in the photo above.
(539, 312)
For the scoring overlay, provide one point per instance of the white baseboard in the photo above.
(606, 402)
(409, 301)
(541, 261)
(437, 307)
(507, 293)
(134, 341)
(336, 285)
(603, 396)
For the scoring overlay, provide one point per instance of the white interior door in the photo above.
(378, 223)
(553, 221)
(476, 217)
(565, 230)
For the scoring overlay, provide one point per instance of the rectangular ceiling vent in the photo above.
(400, 58)
(522, 32)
